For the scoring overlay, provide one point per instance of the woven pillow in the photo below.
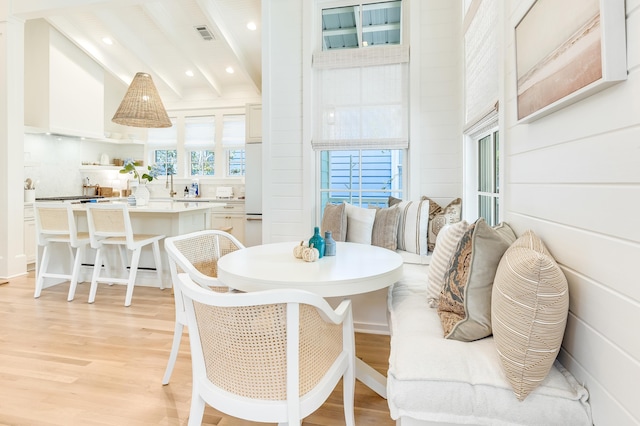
(413, 226)
(465, 301)
(359, 224)
(439, 217)
(334, 219)
(385, 228)
(530, 302)
(447, 242)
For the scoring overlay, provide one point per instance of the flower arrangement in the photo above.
(152, 171)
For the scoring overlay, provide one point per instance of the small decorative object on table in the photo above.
(329, 244)
(317, 241)
(131, 199)
(310, 254)
(298, 250)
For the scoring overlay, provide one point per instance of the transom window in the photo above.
(361, 25)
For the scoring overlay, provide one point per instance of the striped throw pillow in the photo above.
(413, 226)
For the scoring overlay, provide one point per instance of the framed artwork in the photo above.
(565, 51)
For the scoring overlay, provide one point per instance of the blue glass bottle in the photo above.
(317, 241)
(329, 244)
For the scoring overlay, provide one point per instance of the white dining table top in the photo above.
(356, 268)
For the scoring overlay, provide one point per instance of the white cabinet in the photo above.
(30, 245)
(229, 216)
(253, 122)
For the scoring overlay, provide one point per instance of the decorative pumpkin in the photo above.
(310, 254)
(297, 250)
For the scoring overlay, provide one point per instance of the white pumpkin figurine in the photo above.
(297, 250)
(310, 254)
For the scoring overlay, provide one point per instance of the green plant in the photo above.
(130, 167)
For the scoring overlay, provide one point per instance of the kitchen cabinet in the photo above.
(231, 215)
(30, 245)
(253, 123)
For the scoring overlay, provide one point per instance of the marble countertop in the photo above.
(163, 206)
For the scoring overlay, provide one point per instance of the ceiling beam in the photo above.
(165, 21)
(213, 14)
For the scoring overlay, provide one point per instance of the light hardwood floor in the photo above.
(72, 363)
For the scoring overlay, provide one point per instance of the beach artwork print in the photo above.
(558, 52)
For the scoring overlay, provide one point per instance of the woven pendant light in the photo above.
(141, 105)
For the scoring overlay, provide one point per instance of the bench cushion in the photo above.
(441, 380)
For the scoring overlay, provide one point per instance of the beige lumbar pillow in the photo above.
(530, 302)
(465, 301)
(445, 247)
(334, 219)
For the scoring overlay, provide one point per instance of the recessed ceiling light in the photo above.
(230, 70)
(252, 26)
(107, 40)
(189, 73)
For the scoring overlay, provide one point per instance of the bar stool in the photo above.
(110, 225)
(55, 224)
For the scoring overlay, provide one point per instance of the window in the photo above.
(361, 25)
(166, 160)
(488, 178)
(360, 177)
(200, 144)
(233, 138)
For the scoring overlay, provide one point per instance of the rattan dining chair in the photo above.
(110, 225)
(267, 356)
(55, 224)
(196, 253)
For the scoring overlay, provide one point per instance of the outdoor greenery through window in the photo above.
(488, 178)
(361, 177)
(166, 160)
(236, 162)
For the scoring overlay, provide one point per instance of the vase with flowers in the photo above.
(141, 194)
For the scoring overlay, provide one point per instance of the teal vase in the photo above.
(317, 241)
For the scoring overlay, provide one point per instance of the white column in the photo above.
(12, 257)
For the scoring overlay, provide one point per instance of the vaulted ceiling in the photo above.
(167, 39)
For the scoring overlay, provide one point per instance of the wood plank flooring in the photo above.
(74, 363)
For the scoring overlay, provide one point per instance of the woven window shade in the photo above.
(361, 99)
(141, 105)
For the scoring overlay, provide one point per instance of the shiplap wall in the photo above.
(574, 178)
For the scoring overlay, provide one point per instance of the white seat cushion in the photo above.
(431, 378)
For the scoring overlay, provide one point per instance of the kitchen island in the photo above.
(166, 217)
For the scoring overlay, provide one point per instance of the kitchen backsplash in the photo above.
(55, 163)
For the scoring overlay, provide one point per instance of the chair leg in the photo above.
(175, 347)
(135, 260)
(348, 390)
(75, 272)
(97, 265)
(158, 260)
(197, 409)
(41, 271)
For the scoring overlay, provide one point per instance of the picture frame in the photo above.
(567, 51)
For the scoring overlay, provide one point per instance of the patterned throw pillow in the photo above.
(385, 228)
(448, 240)
(530, 303)
(439, 217)
(359, 224)
(334, 219)
(413, 226)
(465, 301)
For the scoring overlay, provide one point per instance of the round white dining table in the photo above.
(356, 268)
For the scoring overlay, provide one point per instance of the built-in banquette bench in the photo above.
(476, 328)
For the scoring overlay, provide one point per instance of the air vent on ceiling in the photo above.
(205, 33)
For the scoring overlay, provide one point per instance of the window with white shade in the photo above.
(361, 133)
(199, 143)
(233, 139)
(162, 142)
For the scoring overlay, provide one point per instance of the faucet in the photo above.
(170, 176)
